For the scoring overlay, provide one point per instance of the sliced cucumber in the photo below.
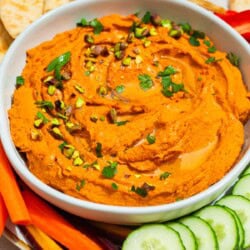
(224, 225)
(241, 206)
(242, 186)
(187, 236)
(154, 236)
(239, 226)
(247, 170)
(205, 235)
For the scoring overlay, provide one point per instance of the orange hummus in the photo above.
(128, 111)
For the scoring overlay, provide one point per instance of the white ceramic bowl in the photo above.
(64, 18)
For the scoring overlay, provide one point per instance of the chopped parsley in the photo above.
(114, 186)
(234, 60)
(57, 64)
(186, 27)
(168, 86)
(145, 81)
(95, 24)
(110, 170)
(207, 43)
(41, 116)
(98, 150)
(146, 18)
(195, 35)
(80, 185)
(120, 89)
(45, 104)
(121, 123)
(140, 191)
(212, 59)
(211, 49)
(194, 41)
(151, 139)
(19, 81)
(164, 175)
(62, 145)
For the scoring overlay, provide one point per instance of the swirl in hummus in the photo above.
(129, 111)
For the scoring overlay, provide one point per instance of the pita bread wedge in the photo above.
(52, 4)
(239, 5)
(16, 15)
(5, 40)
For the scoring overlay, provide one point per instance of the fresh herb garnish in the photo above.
(120, 89)
(121, 123)
(57, 64)
(164, 175)
(19, 81)
(98, 149)
(207, 43)
(80, 185)
(62, 145)
(45, 104)
(194, 41)
(145, 81)
(41, 116)
(151, 139)
(212, 59)
(211, 49)
(114, 186)
(110, 170)
(95, 24)
(186, 27)
(146, 18)
(169, 87)
(234, 60)
(140, 191)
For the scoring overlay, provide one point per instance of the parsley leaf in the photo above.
(19, 81)
(98, 149)
(120, 89)
(140, 191)
(41, 116)
(164, 175)
(110, 170)
(212, 59)
(114, 186)
(211, 49)
(207, 43)
(45, 104)
(145, 81)
(234, 60)
(80, 185)
(151, 139)
(194, 41)
(121, 123)
(146, 18)
(97, 25)
(169, 70)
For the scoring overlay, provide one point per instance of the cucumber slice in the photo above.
(187, 236)
(224, 225)
(205, 235)
(153, 236)
(239, 226)
(241, 206)
(242, 186)
(247, 170)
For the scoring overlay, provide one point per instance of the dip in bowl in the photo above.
(127, 115)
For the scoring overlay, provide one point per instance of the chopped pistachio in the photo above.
(141, 32)
(88, 38)
(55, 122)
(56, 133)
(126, 61)
(138, 59)
(102, 118)
(79, 102)
(77, 161)
(94, 118)
(113, 115)
(90, 66)
(69, 168)
(79, 88)
(103, 90)
(38, 123)
(137, 176)
(119, 54)
(176, 33)
(96, 166)
(48, 79)
(35, 135)
(166, 23)
(146, 43)
(68, 150)
(51, 89)
(75, 154)
(153, 32)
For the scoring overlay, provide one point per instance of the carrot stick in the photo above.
(11, 193)
(3, 215)
(54, 225)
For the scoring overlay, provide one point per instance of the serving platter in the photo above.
(14, 234)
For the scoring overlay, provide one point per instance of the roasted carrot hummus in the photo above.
(130, 111)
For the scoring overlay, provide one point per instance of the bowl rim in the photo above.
(22, 170)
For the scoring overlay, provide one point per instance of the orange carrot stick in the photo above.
(3, 215)
(11, 193)
(53, 224)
